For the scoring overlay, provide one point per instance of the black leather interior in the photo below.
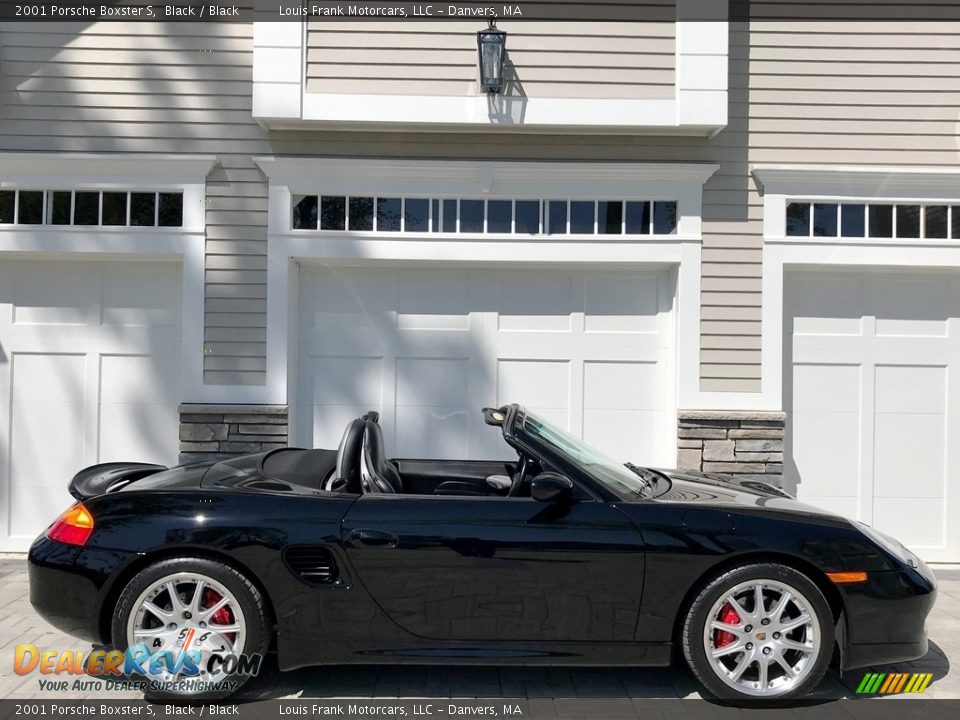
(348, 456)
(424, 477)
(377, 474)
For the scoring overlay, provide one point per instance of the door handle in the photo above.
(374, 538)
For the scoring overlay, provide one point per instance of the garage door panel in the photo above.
(899, 517)
(432, 432)
(536, 302)
(890, 457)
(621, 304)
(825, 448)
(141, 296)
(36, 507)
(911, 389)
(92, 375)
(626, 433)
(46, 443)
(909, 454)
(55, 294)
(354, 381)
(826, 387)
(449, 341)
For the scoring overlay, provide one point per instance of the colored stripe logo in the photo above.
(893, 683)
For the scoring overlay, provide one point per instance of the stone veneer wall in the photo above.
(221, 431)
(740, 444)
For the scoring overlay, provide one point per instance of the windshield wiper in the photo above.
(646, 476)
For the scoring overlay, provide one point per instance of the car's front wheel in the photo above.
(759, 632)
(188, 622)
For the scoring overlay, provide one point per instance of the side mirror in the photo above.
(551, 487)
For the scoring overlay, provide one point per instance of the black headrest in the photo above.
(348, 455)
(379, 474)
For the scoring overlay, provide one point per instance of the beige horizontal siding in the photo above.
(545, 59)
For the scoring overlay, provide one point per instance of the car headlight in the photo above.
(891, 545)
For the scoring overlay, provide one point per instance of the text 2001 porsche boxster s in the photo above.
(560, 556)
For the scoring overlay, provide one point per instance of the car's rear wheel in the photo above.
(761, 632)
(204, 614)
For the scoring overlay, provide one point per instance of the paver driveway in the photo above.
(22, 625)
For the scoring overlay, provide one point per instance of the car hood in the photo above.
(687, 486)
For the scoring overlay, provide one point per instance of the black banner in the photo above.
(525, 10)
(504, 709)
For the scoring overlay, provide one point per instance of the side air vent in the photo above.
(313, 564)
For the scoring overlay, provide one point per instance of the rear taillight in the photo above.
(73, 527)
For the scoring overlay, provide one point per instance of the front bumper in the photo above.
(68, 585)
(886, 616)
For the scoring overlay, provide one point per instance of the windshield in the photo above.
(605, 470)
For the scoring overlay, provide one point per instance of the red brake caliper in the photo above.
(223, 616)
(722, 638)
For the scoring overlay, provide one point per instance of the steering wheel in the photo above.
(521, 476)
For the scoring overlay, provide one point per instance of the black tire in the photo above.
(696, 620)
(256, 615)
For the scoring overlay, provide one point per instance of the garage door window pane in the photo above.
(435, 212)
(171, 210)
(304, 212)
(361, 214)
(143, 208)
(557, 217)
(853, 220)
(798, 220)
(30, 211)
(582, 220)
(610, 218)
(638, 218)
(936, 222)
(86, 208)
(416, 215)
(881, 221)
(471, 216)
(114, 208)
(388, 214)
(955, 222)
(664, 218)
(908, 221)
(528, 217)
(333, 212)
(449, 216)
(59, 209)
(825, 220)
(8, 199)
(499, 216)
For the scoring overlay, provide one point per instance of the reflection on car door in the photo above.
(461, 568)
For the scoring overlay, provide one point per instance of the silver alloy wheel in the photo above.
(772, 644)
(188, 611)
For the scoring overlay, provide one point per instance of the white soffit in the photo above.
(857, 181)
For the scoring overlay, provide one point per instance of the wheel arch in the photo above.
(107, 606)
(811, 571)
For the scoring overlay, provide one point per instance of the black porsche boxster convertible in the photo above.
(560, 556)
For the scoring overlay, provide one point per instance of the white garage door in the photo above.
(589, 349)
(874, 397)
(89, 372)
